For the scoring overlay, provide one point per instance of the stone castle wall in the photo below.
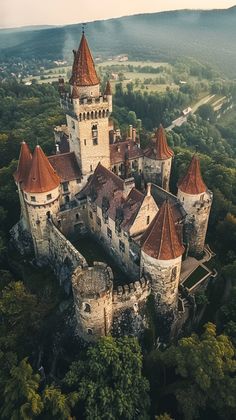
(157, 171)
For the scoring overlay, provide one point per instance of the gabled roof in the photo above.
(83, 70)
(161, 240)
(66, 166)
(124, 149)
(42, 177)
(159, 149)
(24, 163)
(108, 89)
(192, 182)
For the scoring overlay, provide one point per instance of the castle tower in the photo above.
(88, 122)
(92, 290)
(41, 196)
(157, 161)
(20, 176)
(161, 257)
(196, 200)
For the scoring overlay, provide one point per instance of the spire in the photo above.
(161, 240)
(108, 89)
(83, 70)
(163, 151)
(24, 163)
(192, 182)
(42, 177)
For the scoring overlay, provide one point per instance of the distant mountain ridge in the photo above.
(206, 35)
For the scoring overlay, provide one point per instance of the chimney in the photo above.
(148, 193)
(134, 134)
(130, 131)
(129, 184)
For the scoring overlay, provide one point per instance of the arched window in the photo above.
(100, 114)
(87, 308)
(103, 113)
(88, 116)
(48, 214)
(80, 116)
(107, 112)
(84, 116)
(92, 115)
(90, 331)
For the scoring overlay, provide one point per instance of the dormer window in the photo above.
(33, 199)
(49, 197)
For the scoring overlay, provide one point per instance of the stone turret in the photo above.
(157, 160)
(41, 197)
(92, 290)
(161, 257)
(196, 200)
(88, 114)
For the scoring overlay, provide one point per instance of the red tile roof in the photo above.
(108, 89)
(159, 149)
(192, 182)
(161, 240)
(83, 70)
(24, 163)
(66, 166)
(119, 151)
(42, 177)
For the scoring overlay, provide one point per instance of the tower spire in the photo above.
(163, 151)
(24, 163)
(83, 70)
(192, 182)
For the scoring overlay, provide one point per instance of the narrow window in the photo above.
(91, 168)
(90, 215)
(99, 221)
(77, 216)
(109, 233)
(65, 186)
(95, 141)
(85, 142)
(121, 246)
(148, 220)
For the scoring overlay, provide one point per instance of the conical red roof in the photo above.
(192, 182)
(42, 177)
(108, 89)
(161, 240)
(24, 163)
(163, 151)
(83, 70)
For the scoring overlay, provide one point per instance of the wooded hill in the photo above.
(207, 35)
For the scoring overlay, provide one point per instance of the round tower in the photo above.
(157, 160)
(92, 290)
(161, 257)
(41, 196)
(20, 176)
(196, 200)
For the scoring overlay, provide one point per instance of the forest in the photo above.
(45, 372)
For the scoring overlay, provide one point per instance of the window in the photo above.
(87, 308)
(99, 221)
(65, 186)
(90, 215)
(77, 216)
(49, 196)
(85, 142)
(121, 246)
(91, 168)
(32, 198)
(90, 331)
(94, 130)
(95, 141)
(148, 220)
(109, 233)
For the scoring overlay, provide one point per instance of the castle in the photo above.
(89, 185)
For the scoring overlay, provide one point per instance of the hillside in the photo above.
(206, 35)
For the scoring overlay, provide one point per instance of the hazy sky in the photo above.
(59, 12)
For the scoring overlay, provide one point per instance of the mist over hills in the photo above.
(209, 36)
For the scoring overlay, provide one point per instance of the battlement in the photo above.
(129, 294)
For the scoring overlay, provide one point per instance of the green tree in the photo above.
(58, 405)
(110, 381)
(21, 399)
(205, 369)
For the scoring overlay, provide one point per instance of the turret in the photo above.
(20, 176)
(196, 200)
(157, 160)
(161, 257)
(41, 196)
(92, 289)
(108, 95)
(88, 114)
